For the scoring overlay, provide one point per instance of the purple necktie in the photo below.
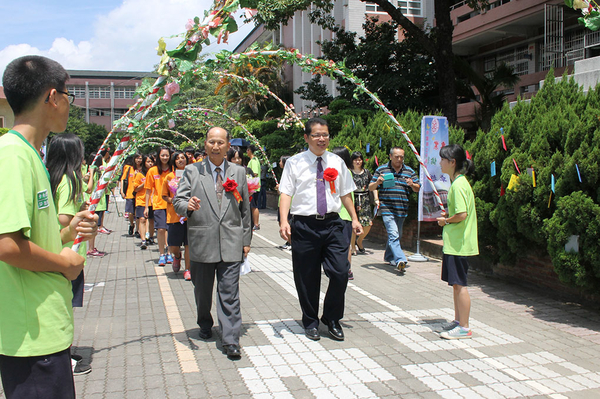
(321, 198)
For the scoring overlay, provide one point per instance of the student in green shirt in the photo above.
(460, 237)
(63, 161)
(343, 153)
(36, 317)
(254, 164)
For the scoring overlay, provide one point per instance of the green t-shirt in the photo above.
(254, 164)
(344, 215)
(36, 316)
(102, 204)
(64, 206)
(461, 238)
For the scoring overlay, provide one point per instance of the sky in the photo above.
(109, 35)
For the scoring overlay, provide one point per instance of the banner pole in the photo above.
(417, 257)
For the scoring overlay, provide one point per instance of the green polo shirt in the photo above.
(64, 206)
(461, 238)
(36, 317)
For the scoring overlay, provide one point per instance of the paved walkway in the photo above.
(138, 330)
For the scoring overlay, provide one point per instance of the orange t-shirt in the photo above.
(170, 184)
(154, 180)
(129, 173)
(140, 196)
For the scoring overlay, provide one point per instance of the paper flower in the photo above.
(253, 184)
(330, 174)
(190, 24)
(170, 89)
(230, 186)
(171, 123)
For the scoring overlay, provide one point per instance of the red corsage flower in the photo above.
(230, 186)
(330, 174)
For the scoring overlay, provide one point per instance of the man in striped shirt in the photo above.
(394, 202)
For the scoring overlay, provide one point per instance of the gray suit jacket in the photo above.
(214, 235)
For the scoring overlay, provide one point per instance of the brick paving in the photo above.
(138, 330)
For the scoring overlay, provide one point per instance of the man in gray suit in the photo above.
(219, 235)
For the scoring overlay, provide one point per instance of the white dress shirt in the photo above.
(299, 182)
(214, 173)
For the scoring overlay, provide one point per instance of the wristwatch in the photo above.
(446, 221)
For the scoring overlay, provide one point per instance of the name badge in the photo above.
(42, 199)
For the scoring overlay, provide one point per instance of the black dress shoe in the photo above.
(312, 333)
(233, 351)
(335, 329)
(205, 334)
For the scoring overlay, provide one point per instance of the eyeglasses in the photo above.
(318, 136)
(69, 95)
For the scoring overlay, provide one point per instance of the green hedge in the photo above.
(557, 130)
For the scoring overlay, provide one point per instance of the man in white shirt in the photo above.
(313, 187)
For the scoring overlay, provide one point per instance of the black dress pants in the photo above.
(315, 243)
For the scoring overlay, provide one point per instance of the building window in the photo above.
(78, 91)
(372, 7)
(411, 8)
(124, 92)
(100, 92)
(118, 113)
(1, 121)
(99, 112)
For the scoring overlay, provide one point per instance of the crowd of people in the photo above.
(201, 202)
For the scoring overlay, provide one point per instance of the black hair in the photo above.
(157, 159)
(197, 154)
(356, 155)
(343, 153)
(144, 159)
(64, 157)
(314, 121)
(252, 148)
(457, 153)
(188, 149)
(176, 153)
(234, 149)
(396, 148)
(284, 159)
(27, 78)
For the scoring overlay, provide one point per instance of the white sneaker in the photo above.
(457, 333)
(449, 326)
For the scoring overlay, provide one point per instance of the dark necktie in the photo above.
(321, 197)
(219, 185)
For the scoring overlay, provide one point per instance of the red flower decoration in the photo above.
(230, 186)
(330, 174)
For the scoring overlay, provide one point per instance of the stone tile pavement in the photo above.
(138, 330)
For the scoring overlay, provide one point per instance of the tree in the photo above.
(489, 98)
(91, 134)
(315, 91)
(437, 43)
(252, 105)
(398, 72)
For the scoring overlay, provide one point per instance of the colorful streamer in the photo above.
(578, 173)
(552, 181)
(516, 166)
(493, 168)
(504, 143)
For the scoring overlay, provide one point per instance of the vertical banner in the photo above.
(434, 135)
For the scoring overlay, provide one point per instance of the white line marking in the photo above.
(185, 355)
